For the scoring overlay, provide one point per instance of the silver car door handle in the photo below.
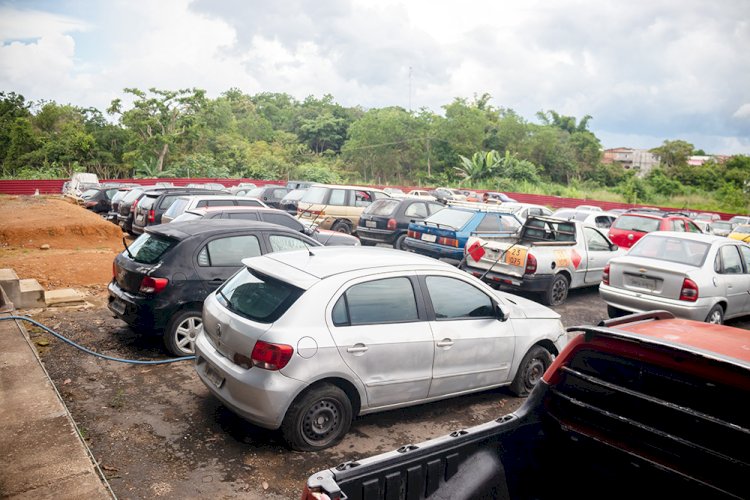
(445, 343)
(357, 348)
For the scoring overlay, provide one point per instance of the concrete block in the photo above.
(9, 283)
(32, 294)
(63, 297)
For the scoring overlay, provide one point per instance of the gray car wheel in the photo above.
(181, 332)
(715, 315)
(557, 291)
(531, 369)
(318, 419)
(342, 227)
(399, 243)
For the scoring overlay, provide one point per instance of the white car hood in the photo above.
(525, 308)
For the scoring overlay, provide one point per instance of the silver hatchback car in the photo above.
(692, 275)
(306, 340)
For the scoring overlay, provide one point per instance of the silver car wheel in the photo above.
(182, 331)
(716, 315)
(321, 420)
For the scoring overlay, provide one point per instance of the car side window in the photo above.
(362, 198)
(490, 223)
(594, 240)
(280, 242)
(731, 263)
(378, 195)
(678, 225)
(416, 210)
(248, 203)
(455, 299)
(389, 300)
(745, 251)
(603, 222)
(435, 207)
(283, 220)
(338, 197)
(228, 252)
(279, 193)
(692, 228)
(241, 215)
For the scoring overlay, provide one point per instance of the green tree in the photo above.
(160, 118)
(480, 166)
(673, 154)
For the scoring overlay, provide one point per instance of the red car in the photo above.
(631, 226)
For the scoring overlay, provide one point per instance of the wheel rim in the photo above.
(559, 291)
(322, 421)
(186, 333)
(534, 372)
(715, 317)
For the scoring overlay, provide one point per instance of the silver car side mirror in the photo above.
(503, 313)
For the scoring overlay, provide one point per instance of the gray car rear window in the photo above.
(455, 219)
(257, 297)
(384, 207)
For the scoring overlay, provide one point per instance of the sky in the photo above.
(645, 70)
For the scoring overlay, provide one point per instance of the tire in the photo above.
(399, 243)
(319, 418)
(342, 227)
(557, 291)
(615, 312)
(181, 331)
(716, 315)
(530, 371)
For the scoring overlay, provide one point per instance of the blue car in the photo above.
(443, 235)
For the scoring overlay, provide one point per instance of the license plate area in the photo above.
(516, 257)
(117, 306)
(213, 376)
(371, 223)
(642, 282)
(429, 237)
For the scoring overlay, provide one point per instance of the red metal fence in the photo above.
(30, 187)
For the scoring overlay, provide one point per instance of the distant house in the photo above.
(697, 161)
(640, 160)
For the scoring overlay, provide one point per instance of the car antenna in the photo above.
(126, 248)
(309, 252)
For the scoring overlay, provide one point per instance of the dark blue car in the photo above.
(443, 235)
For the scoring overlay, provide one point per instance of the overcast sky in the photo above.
(645, 70)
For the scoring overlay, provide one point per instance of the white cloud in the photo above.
(743, 112)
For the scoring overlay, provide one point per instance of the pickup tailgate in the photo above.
(507, 256)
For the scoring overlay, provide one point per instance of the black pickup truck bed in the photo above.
(618, 415)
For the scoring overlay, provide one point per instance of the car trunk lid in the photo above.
(646, 276)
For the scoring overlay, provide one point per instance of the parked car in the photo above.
(292, 185)
(114, 203)
(80, 182)
(420, 193)
(242, 188)
(183, 203)
(126, 207)
(631, 226)
(161, 279)
(695, 276)
(444, 195)
(708, 216)
(394, 192)
(602, 220)
(721, 228)
(291, 200)
(336, 207)
(501, 197)
(214, 186)
(525, 210)
(740, 219)
(387, 220)
(443, 234)
(272, 216)
(98, 200)
(590, 208)
(703, 225)
(741, 233)
(269, 194)
(305, 341)
(152, 205)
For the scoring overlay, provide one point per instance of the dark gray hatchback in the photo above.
(162, 278)
(387, 220)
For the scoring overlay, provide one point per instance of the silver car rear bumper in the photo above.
(639, 302)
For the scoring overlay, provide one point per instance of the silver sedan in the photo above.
(695, 276)
(304, 341)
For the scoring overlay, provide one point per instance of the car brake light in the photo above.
(150, 284)
(412, 234)
(605, 275)
(391, 224)
(151, 215)
(271, 356)
(689, 290)
(530, 264)
(451, 242)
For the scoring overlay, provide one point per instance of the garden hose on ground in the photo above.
(89, 351)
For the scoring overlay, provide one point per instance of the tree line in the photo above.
(184, 133)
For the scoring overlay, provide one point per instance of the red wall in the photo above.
(28, 187)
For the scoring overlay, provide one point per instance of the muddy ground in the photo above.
(155, 430)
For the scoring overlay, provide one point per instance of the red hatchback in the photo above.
(631, 226)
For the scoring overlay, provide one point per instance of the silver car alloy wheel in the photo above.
(186, 333)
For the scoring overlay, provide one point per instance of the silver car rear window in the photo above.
(257, 297)
(670, 249)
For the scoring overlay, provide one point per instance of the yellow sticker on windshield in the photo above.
(516, 256)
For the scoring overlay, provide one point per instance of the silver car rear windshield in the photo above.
(455, 219)
(670, 249)
(636, 223)
(257, 297)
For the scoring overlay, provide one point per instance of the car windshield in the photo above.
(316, 194)
(89, 193)
(742, 229)
(295, 195)
(455, 219)
(384, 207)
(671, 249)
(257, 297)
(636, 223)
(255, 193)
(722, 225)
(132, 195)
(148, 248)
